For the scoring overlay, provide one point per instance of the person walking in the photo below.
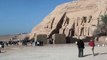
(80, 45)
(0, 48)
(92, 45)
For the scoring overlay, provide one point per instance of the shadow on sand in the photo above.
(99, 54)
(103, 53)
(87, 55)
(96, 54)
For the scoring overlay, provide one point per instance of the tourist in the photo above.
(80, 44)
(0, 48)
(92, 45)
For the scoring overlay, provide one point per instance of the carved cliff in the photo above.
(74, 19)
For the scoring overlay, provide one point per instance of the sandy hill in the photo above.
(15, 36)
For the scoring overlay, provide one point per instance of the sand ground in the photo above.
(52, 52)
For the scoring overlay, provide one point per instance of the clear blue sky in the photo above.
(17, 16)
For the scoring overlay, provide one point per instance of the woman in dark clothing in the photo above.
(80, 44)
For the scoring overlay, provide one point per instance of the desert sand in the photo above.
(52, 52)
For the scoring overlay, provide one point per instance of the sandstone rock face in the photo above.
(59, 39)
(41, 38)
(74, 19)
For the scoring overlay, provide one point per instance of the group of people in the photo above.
(81, 47)
(24, 42)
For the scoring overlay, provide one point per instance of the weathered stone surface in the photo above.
(59, 38)
(74, 19)
(41, 37)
